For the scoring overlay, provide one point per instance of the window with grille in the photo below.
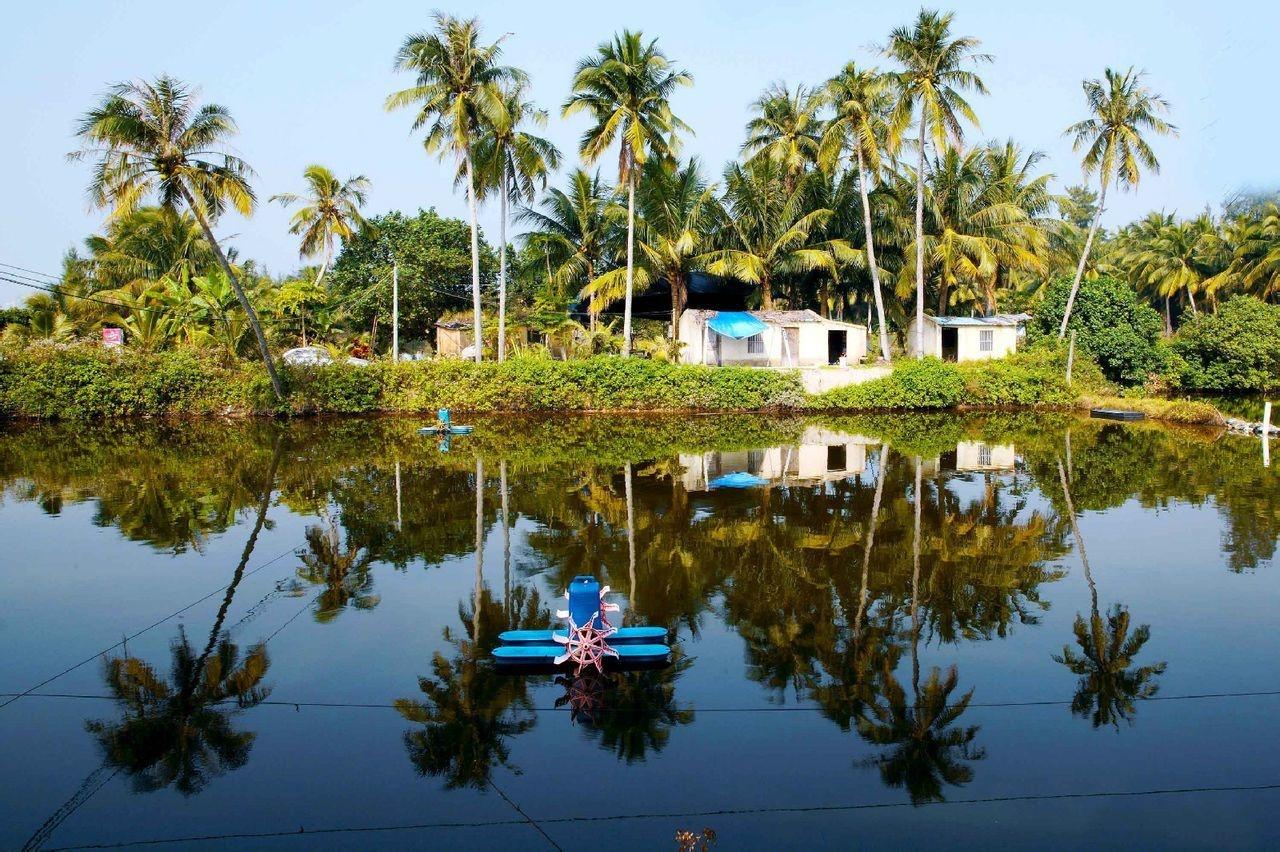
(986, 340)
(984, 456)
(755, 344)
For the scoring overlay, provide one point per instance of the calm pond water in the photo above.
(1038, 630)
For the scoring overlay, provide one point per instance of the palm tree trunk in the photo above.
(1075, 532)
(678, 288)
(1084, 257)
(871, 538)
(475, 621)
(631, 250)
(924, 124)
(506, 538)
(477, 332)
(1168, 319)
(1191, 297)
(240, 296)
(871, 257)
(631, 544)
(267, 489)
(502, 272)
(915, 588)
(766, 293)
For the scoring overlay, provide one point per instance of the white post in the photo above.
(395, 312)
(399, 522)
(1071, 355)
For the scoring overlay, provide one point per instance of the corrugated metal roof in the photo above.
(1003, 321)
(780, 317)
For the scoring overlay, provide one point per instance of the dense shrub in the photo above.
(1036, 376)
(1235, 349)
(926, 383)
(1112, 325)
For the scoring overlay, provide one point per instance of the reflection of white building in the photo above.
(821, 456)
(974, 456)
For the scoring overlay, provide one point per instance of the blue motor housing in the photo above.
(443, 416)
(584, 600)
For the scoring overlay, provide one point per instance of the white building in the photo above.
(821, 456)
(968, 338)
(769, 339)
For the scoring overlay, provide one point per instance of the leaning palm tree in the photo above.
(517, 163)
(330, 211)
(152, 137)
(933, 76)
(1122, 109)
(786, 130)
(861, 99)
(458, 94)
(626, 88)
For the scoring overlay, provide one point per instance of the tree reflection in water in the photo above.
(1109, 682)
(344, 572)
(471, 709)
(179, 732)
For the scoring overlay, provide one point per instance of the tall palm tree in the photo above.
(626, 88)
(934, 75)
(574, 231)
(152, 137)
(458, 95)
(1121, 110)
(786, 130)
(517, 163)
(330, 211)
(770, 231)
(676, 209)
(861, 98)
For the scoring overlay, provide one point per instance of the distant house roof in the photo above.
(776, 317)
(1003, 320)
(453, 325)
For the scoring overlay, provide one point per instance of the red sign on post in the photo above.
(112, 337)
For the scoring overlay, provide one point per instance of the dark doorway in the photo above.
(837, 458)
(950, 344)
(837, 345)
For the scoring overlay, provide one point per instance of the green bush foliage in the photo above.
(1236, 349)
(1112, 326)
(926, 383)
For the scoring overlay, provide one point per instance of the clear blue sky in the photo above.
(306, 83)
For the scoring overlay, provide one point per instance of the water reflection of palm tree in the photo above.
(926, 750)
(1109, 683)
(639, 709)
(471, 710)
(345, 572)
(179, 732)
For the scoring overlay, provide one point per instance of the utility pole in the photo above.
(395, 312)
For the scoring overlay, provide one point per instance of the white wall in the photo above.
(811, 345)
(1004, 340)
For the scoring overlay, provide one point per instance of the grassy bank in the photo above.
(86, 383)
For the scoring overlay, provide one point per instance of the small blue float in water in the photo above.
(445, 426)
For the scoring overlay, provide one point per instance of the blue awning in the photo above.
(736, 324)
(739, 479)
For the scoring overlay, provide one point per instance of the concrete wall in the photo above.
(975, 455)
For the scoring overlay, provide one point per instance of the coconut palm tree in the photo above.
(574, 232)
(934, 74)
(676, 209)
(458, 95)
(771, 232)
(330, 211)
(786, 130)
(517, 163)
(152, 137)
(861, 98)
(1122, 109)
(626, 87)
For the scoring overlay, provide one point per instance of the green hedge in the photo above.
(55, 382)
(1236, 349)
